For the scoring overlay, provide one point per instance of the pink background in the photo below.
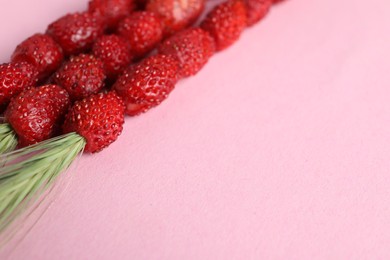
(278, 149)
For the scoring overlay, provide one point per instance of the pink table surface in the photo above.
(278, 149)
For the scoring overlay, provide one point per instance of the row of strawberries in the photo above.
(97, 60)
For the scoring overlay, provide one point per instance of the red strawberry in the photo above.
(176, 14)
(112, 11)
(81, 76)
(143, 30)
(148, 83)
(14, 78)
(115, 53)
(98, 118)
(41, 51)
(256, 10)
(76, 33)
(193, 48)
(225, 23)
(36, 113)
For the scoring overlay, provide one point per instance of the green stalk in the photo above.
(8, 139)
(29, 172)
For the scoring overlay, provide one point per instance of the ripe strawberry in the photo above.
(41, 51)
(143, 30)
(36, 113)
(112, 11)
(225, 23)
(98, 118)
(75, 33)
(148, 83)
(193, 47)
(256, 10)
(114, 52)
(81, 76)
(176, 14)
(14, 78)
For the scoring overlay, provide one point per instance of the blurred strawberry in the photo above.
(176, 14)
(114, 52)
(256, 10)
(225, 23)
(112, 11)
(143, 30)
(193, 47)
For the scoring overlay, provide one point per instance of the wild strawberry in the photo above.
(98, 118)
(14, 78)
(176, 14)
(148, 83)
(115, 53)
(36, 113)
(193, 48)
(225, 23)
(76, 33)
(81, 76)
(256, 10)
(112, 11)
(143, 30)
(41, 51)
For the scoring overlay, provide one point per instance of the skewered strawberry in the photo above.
(148, 83)
(81, 76)
(35, 114)
(143, 30)
(114, 52)
(225, 23)
(98, 118)
(95, 122)
(41, 51)
(192, 47)
(112, 11)
(14, 78)
(176, 14)
(76, 33)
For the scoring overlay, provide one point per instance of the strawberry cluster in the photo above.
(79, 76)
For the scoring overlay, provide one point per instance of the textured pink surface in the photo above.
(278, 149)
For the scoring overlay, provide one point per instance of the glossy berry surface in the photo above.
(81, 76)
(41, 51)
(36, 114)
(14, 78)
(111, 11)
(75, 33)
(114, 52)
(143, 30)
(98, 118)
(148, 83)
(192, 47)
(176, 14)
(225, 23)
